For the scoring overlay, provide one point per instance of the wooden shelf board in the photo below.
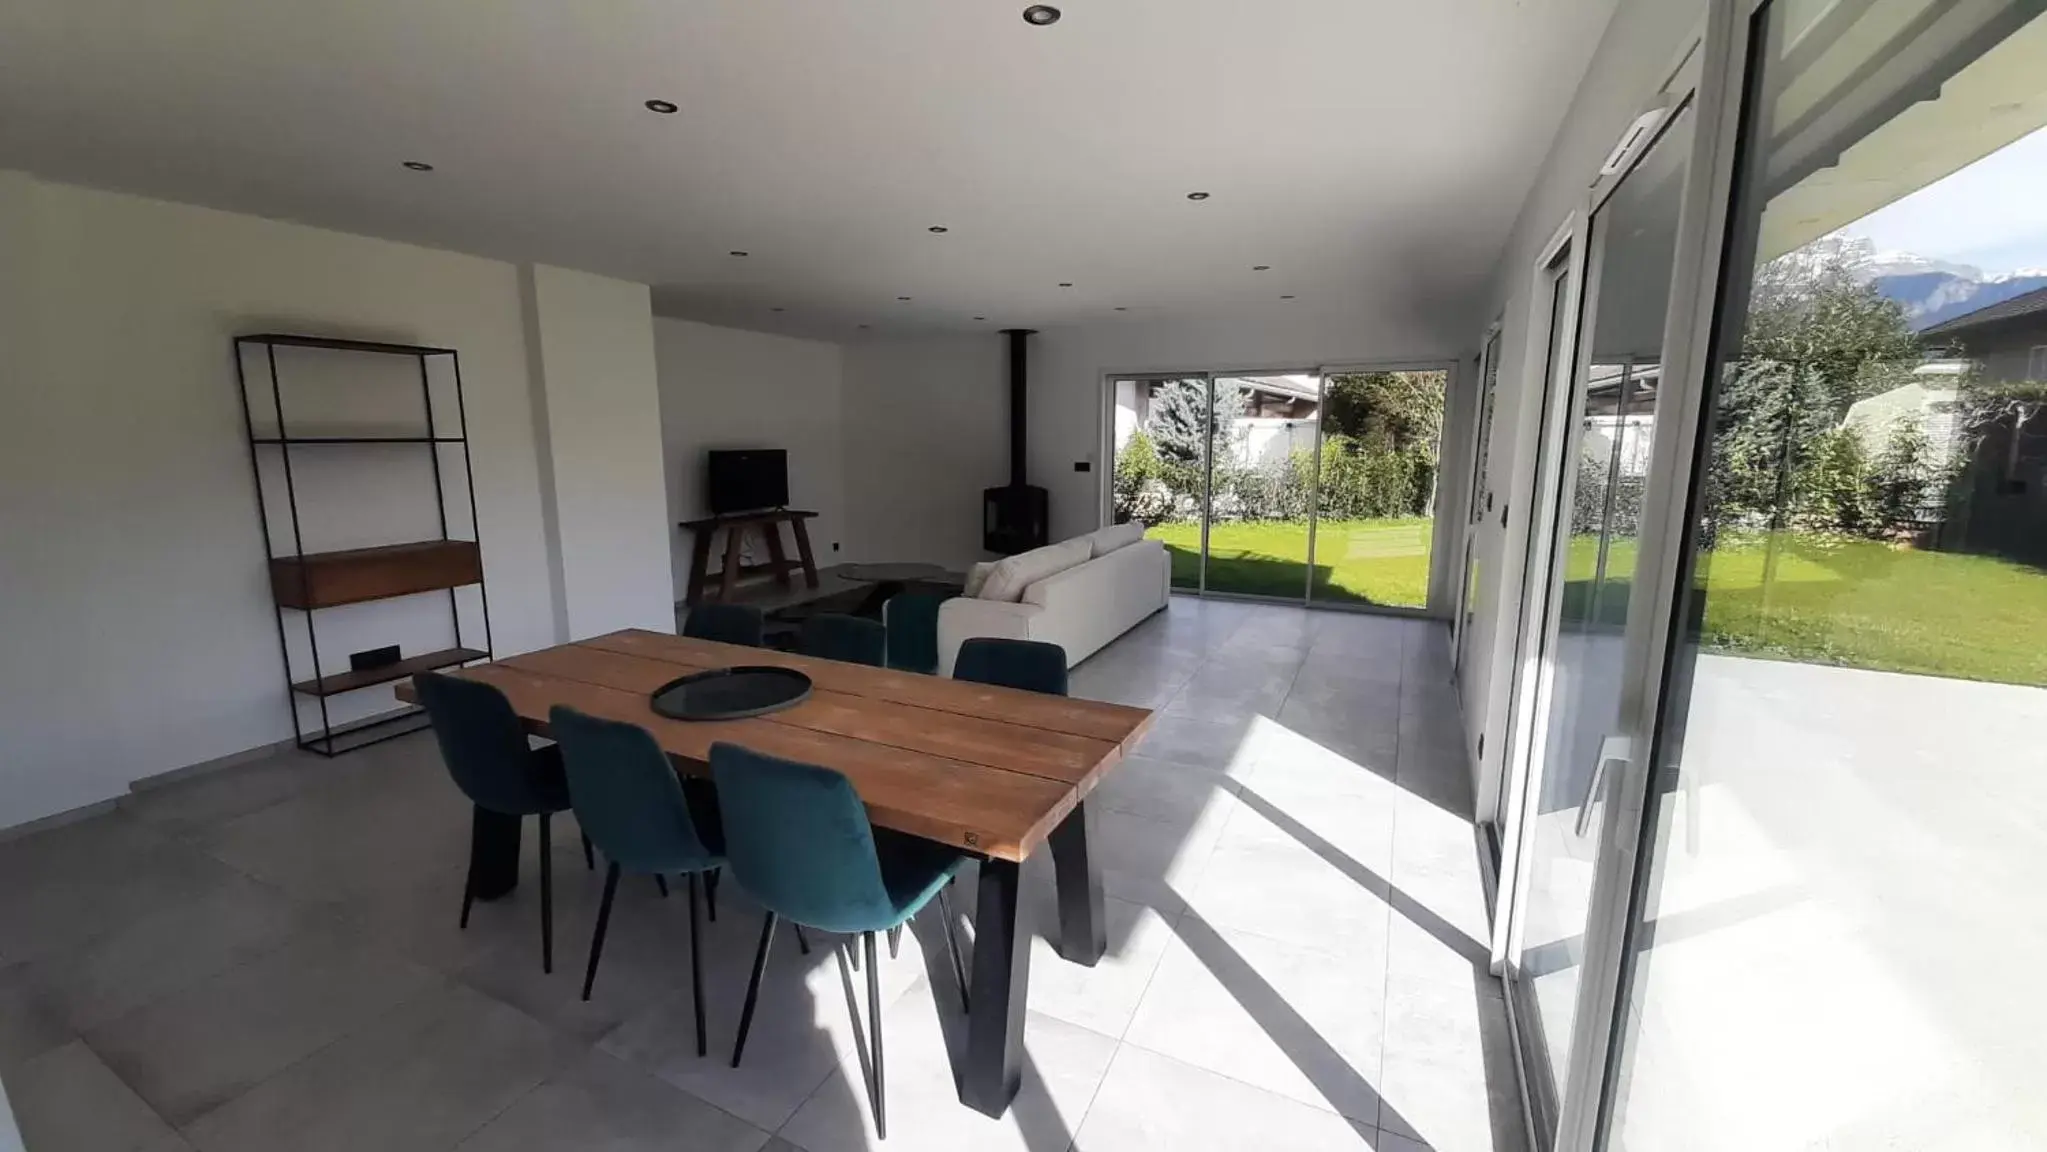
(329, 579)
(341, 682)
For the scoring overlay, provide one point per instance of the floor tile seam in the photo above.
(1392, 884)
(79, 1039)
(839, 1056)
(1344, 954)
(347, 1033)
(280, 943)
(1320, 1105)
(1173, 928)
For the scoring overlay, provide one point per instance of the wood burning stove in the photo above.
(1016, 517)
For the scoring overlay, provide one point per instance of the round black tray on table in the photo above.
(731, 693)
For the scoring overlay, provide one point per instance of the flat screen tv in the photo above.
(748, 480)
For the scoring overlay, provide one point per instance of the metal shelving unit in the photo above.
(305, 583)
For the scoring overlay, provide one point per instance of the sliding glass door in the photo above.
(1375, 507)
(1297, 486)
(1160, 432)
(1600, 451)
(1837, 930)
(1262, 483)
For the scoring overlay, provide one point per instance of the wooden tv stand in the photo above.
(736, 525)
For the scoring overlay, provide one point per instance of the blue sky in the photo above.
(1992, 214)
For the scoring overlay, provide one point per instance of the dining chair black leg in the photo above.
(603, 922)
(661, 882)
(895, 941)
(589, 854)
(874, 1027)
(853, 953)
(546, 899)
(696, 965)
(711, 893)
(753, 986)
(468, 895)
(802, 940)
(952, 945)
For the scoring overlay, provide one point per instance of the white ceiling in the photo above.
(1373, 152)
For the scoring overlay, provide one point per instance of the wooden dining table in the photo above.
(995, 773)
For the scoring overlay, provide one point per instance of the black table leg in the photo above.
(1083, 933)
(493, 853)
(1002, 977)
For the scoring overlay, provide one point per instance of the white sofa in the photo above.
(1079, 594)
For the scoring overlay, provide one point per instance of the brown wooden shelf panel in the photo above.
(327, 579)
(341, 682)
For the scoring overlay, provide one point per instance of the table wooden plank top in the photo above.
(992, 770)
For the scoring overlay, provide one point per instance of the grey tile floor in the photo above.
(268, 957)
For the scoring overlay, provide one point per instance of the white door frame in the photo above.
(1698, 80)
(1716, 58)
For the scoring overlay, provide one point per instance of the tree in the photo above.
(1819, 337)
(1390, 425)
(1386, 411)
(1833, 493)
(1180, 417)
(2002, 405)
(1904, 478)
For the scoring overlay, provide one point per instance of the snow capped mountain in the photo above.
(1885, 264)
(1932, 291)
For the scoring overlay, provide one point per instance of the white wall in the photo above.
(594, 383)
(926, 430)
(136, 629)
(1635, 56)
(730, 388)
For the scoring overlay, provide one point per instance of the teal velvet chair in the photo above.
(725, 623)
(912, 620)
(485, 749)
(1031, 665)
(628, 800)
(852, 639)
(799, 841)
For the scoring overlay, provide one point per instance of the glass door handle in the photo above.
(1610, 749)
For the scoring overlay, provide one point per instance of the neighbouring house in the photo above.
(2003, 485)
(1929, 399)
(1278, 417)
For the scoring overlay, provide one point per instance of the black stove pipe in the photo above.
(1019, 386)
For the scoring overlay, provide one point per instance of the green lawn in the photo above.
(1356, 561)
(1855, 603)
(1859, 604)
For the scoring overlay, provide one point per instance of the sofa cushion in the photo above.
(1103, 541)
(1010, 577)
(977, 578)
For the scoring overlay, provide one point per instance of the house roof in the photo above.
(2028, 304)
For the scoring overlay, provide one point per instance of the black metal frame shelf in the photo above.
(332, 739)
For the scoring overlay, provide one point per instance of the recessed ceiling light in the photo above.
(777, 309)
(1261, 267)
(1120, 308)
(419, 166)
(1197, 195)
(1041, 15)
(1066, 283)
(867, 325)
(938, 228)
(904, 299)
(735, 252)
(1286, 297)
(980, 317)
(665, 107)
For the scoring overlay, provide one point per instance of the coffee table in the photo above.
(890, 580)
